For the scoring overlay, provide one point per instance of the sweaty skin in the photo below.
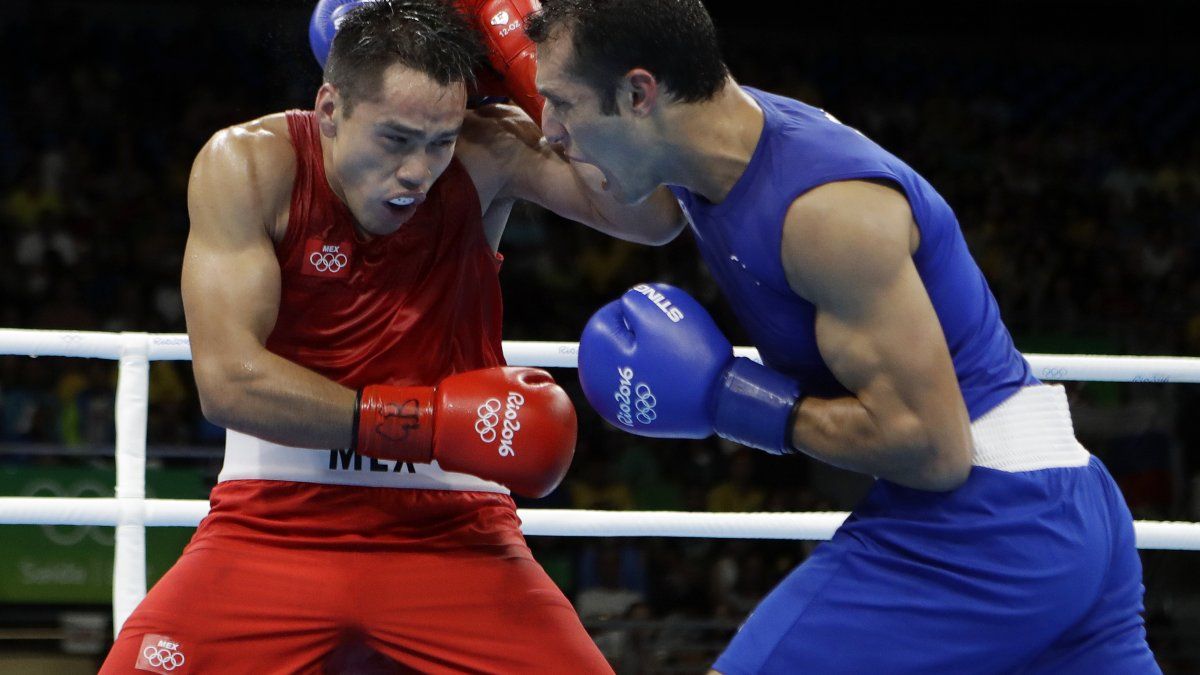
(395, 145)
(847, 248)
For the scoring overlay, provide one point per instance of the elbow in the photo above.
(219, 399)
(216, 406)
(637, 231)
(660, 237)
(936, 465)
(945, 471)
(216, 410)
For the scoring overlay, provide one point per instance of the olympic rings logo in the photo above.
(645, 403)
(634, 402)
(1054, 373)
(159, 657)
(69, 535)
(489, 417)
(490, 429)
(328, 262)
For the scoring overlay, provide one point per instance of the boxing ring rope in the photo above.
(130, 512)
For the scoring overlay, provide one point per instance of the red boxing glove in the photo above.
(511, 53)
(514, 426)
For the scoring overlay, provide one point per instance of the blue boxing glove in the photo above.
(654, 364)
(323, 25)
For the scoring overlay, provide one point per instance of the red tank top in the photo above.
(409, 308)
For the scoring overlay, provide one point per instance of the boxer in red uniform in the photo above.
(341, 290)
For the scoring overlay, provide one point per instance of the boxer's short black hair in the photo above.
(429, 36)
(674, 40)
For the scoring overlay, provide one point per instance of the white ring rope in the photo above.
(175, 347)
(131, 512)
(815, 525)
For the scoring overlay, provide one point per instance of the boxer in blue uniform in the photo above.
(992, 541)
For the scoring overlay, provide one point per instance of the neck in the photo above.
(711, 143)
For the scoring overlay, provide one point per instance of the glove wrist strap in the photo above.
(395, 423)
(754, 406)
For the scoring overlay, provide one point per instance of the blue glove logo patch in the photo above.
(673, 313)
(634, 401)
(645, 403)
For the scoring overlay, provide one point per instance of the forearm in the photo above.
(844, 433)
(272, 398)
(642, 223)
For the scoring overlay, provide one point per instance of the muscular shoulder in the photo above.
(251, 165)
(495, 140)
(863, 226)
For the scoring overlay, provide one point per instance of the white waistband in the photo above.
(1030, 430)
(248, 457)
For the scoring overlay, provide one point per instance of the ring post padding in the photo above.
(133, 394)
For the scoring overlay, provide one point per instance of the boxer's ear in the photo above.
(640, 89)
(329, 102)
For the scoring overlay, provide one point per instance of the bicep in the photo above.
(231, 278)
(230, 294)
(881, 338)
(849, 252)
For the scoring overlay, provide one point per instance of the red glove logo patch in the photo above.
(488, 424)
(397, 420)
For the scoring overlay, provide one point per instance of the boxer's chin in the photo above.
(613, 187)
(623, 194)
(382, 221)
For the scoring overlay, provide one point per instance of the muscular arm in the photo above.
(847, 247)
(508, 159)
(239, 185)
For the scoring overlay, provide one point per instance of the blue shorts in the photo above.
(1029, 572)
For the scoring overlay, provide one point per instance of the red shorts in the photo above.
(280, 576)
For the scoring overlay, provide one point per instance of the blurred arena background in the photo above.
(1066, 135)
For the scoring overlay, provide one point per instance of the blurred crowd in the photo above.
(1076, 178)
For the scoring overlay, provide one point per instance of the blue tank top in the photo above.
(802, 147)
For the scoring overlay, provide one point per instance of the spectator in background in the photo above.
(740, 492)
